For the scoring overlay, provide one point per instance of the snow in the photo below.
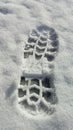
(17, 19)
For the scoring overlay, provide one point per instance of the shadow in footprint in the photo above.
(49, 96)
(52, 33)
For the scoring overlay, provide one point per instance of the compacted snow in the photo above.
(17, 19)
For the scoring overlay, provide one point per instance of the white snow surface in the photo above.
(17, 19)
